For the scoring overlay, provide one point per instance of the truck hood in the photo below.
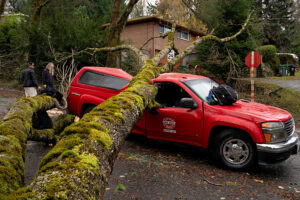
(256, 111)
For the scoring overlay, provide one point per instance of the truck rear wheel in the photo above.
(234, 150)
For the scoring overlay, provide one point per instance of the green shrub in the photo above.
(269, 57)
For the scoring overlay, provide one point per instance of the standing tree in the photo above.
(117, 25)
(2, 7)
(278, 23)
(78, 167)
(138, 10)
(226, 60)
(176, 10)
(37, 9)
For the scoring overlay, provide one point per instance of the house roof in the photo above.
(159, 20)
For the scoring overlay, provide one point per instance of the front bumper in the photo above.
(275, 153)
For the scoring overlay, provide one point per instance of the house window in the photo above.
(164, 29)
(182, 35)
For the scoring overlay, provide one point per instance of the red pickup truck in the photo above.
(238, 135)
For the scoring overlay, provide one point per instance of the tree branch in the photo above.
(122, 20)
(202, 39)
(170, 45)
(37, 9)
(152, 38)
(139, 53)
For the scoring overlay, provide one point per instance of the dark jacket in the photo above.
(47, 78)
(29, 78)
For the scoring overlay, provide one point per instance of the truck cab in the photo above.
(237, 135)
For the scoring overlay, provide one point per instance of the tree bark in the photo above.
(116, 27)
(37, 9)
(2, 7)
(79, 166)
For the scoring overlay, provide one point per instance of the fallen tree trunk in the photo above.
(14, 130)
(79, 166)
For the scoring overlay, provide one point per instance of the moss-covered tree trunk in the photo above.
(79, 166)
(15, 128)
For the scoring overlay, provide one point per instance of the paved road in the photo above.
(290, 84)
(152, 169)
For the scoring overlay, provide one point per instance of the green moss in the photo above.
(87, 161)
(56, 188)
(171, 36)
(101, 137)
(83, 126)
(69, 154)
(46, 135)
(52, 165)
(22, 194)
(63, 145)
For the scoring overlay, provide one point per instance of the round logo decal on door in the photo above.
(169, 123)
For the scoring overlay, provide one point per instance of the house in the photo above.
(138, 31)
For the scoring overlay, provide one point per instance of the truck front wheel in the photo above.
(88, 108)
(234, 150)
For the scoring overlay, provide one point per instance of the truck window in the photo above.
(102, 80)
(201, 87)
(170, 94)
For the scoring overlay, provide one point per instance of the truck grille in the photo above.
(289, 126)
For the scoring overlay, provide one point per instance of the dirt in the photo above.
(151, 169)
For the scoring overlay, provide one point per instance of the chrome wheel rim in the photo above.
(236, 151)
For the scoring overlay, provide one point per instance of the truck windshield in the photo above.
(201, 87)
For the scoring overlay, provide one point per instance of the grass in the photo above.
(287, 99)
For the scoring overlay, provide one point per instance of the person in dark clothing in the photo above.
(29, 80)
(47, 78)
(48, 82)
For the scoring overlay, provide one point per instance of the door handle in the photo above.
(75, 93)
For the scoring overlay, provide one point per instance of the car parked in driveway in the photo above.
(238, 135)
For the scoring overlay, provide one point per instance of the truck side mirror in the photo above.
(188, 103)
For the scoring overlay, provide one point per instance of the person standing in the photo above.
(48, 85)
(29, 80)
(47, 78)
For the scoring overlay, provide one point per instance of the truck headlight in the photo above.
(274, 132)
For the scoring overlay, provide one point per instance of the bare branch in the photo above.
(202, 39)
(152, 38)
(65, 75)
(139, 53)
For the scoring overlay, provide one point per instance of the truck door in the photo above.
(174, 122)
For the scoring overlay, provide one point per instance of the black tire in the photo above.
(234, 150)
(88, 109)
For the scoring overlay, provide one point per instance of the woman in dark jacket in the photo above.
(47, 77)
